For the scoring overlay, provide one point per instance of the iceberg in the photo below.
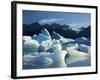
(45, 32)
(44, 46)
(56, 48)
(54, 41)
(30, 46)
(75, 55)
(40, 61)
(82, 40)
(41, 51)
(26, 38)
(43, 36)
(84, 48)
(46, 59)
(40, 38)
(56, 35)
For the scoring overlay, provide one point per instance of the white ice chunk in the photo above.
(56, 48)
(84, 48)
(42, 60)
(39, 60)
(75, 55)
(26, 38)
(45, 32)
(44, 46)
(55, 41)
(30, 46)
(41, 38)
(46, 59)
(56, 35)
(82, 40)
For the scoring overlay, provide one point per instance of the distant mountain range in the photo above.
(64, 30)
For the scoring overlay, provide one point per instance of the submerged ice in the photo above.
(47, 50)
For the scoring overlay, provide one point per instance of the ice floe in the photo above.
(45, 50)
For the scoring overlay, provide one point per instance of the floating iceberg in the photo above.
(54, 41)
(56, 35)
(45, 32)
(75, 55)
(43, 36)
(45, 60)
(46, 51)
(30, 46)
(82, 40)
(42, 60)
(37, 61)
(44, 45)
(26, 38)
(84, 48)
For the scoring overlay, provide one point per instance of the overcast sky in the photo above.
(75, 20)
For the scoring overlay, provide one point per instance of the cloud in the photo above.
(77, 26)
(49, 20)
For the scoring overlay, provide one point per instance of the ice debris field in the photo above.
(47, 50)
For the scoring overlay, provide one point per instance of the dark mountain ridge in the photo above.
(64, 30)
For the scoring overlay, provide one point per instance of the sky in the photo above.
(75, 20)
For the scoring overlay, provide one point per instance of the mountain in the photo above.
(64, 30)
(86, 32)
(32, 29)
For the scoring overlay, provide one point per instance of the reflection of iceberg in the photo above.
(46, 51)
